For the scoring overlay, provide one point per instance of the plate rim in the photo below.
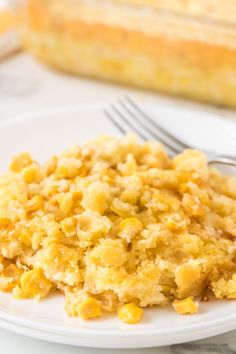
(116, 333)
(115, 343)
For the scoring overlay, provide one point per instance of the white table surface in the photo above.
(26, 86)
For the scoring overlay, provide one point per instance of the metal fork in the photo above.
(126, 115)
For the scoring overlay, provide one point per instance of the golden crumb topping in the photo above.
(116, 226)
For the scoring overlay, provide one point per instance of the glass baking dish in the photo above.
(180, 47)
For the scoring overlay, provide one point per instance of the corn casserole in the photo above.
(116, 225)
(181, 47)
(7, 21)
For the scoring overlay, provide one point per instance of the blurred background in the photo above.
(179, 48)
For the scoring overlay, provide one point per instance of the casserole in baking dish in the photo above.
(185, 48)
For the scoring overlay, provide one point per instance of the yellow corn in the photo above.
(33, 284)
(31, 173)
(4, 221)
(130, 313)
(68, 226)
(65, 201)
(51, 165)
(34, 204)
(129, 227)
(20, 161)
(89, 308)
(25, 235)
(7, 20)
(186, 306)
(68, 168)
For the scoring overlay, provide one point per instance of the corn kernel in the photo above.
(51, 165)
(32, 173)
(129, 227)
(68, 226)
(65, 201)
(34, 204)
(130, 313)
(25, 236)
(68, 168)
(33, 284)
(20, 161)
(186, 306)
(4, 221)
(89, 308)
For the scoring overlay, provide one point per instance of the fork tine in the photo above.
(128, 123)
(145, 127)
(117, 125)
(157, 126)
(116, 115)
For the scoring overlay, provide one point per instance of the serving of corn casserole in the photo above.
(181, 47)
(116, 225)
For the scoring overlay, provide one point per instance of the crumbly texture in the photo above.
(117, 222)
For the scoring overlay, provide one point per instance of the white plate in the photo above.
(47, 133)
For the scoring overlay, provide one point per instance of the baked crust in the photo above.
(7, 21)
(188, 65)
(220, 10)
